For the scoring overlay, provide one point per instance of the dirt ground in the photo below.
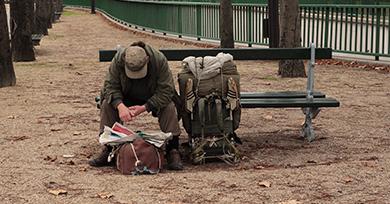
(51, 113)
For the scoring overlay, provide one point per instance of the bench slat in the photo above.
(106, 55)
(36, 38)
(279, 94)
(238, 53)
(250, 53)
(289, 103)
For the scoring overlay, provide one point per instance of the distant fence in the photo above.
(354, 29)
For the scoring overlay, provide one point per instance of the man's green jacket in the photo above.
(159, 83)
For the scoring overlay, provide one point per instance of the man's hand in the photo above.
(124, 113)
(136, 110)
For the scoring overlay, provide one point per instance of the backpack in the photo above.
(211, 112)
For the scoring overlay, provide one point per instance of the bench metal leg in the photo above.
(307, 128)
(310, 113)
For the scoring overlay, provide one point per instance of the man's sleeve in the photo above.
(112, 84)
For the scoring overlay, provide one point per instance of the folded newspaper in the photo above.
(119, 134)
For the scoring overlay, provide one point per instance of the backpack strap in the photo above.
(201, 113)
(218, 105)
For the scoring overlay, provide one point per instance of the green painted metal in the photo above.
(355, 29)
(280, 94)
(238, 53)
(288, 102)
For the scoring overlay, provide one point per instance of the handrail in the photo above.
(353, 29)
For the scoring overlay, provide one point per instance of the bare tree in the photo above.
(50, 13)
(40, 25)
(61, 5)
(93, 6)
(21, 29)
(7, 74)
(290, 30)
(226, 24)
(273, 23)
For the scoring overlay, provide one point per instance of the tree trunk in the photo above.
(7, 74)
(273, 25)
(61, 4)
(51, 13)
(226, 24)
(55, 3)
(93, 6)
(40, 26)
(33, 19)
(290, 38)
(21, 29)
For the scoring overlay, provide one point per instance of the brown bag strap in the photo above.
(159, 158)
(137, 161)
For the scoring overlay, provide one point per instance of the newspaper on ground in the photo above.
(116, 135)
(155, 138)
(119, 134)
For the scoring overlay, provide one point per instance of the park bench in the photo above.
(309, 101)
(36, 39)
(57, 15)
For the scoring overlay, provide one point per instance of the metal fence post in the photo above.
(326, 32)
(249, 25)
(377, 32)
(179, 21)
(198, 21)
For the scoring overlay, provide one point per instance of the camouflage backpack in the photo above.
(211, 110)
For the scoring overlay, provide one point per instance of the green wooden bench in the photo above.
(308, 100)
(36, 39)
(57, 15)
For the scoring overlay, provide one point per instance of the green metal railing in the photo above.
(344, 28)
(347, 28)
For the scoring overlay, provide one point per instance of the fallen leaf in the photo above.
(233, 186)
(369, 164)
(290, 202)
(46, 116)
(68, 155)
(244, 158)
(48, 158)
(55, 129)
(379, 68)
(11, 117)
(17, 138)
(105, 195)
(265, 184)
(268, 117)
(259, 167)
(348, 180)
(58, 192)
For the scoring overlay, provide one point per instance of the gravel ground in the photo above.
(51, 113)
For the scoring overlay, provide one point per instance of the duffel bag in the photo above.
(139, 157)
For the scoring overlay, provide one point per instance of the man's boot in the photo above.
(174, 160)
(101, 159)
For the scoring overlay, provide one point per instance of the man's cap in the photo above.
(136, 62)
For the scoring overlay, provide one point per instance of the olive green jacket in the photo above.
(160, 81)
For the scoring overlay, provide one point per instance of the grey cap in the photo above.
(136, 62)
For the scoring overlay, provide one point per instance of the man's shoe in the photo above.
(101, 159)
(174, 160)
